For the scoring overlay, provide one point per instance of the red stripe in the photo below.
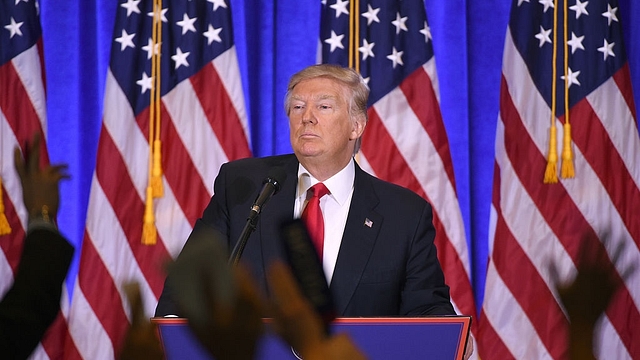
(220, 112)
(385, 159)
(422, 99)
(621, 77)
(57, 342)
(559, 211)
(129, 209)
(490, 345)
(19, 111)
(102, 293)
(598, 149)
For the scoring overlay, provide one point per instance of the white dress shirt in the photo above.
(335, 209)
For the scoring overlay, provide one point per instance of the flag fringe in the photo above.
(568, 171)
(5, 228)
(156, 174)
(149, 234)
(551, 172)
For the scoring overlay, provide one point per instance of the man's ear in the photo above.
(359, 123)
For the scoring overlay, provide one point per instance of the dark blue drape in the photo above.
(274, 39)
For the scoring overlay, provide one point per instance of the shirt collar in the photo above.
(340, 185)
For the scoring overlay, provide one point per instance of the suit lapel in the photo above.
(360, 233)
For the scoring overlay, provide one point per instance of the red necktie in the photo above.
(312, 216)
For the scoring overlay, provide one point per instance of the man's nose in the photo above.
(308, 116)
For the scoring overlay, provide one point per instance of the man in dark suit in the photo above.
(378, 253)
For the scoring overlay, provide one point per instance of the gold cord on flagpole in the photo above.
(356, 36)
(149, 234)
(567, 169)
(551, 172)
(351, 32)
(5, 228)
(156, 173)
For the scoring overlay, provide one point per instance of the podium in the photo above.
(379, 338)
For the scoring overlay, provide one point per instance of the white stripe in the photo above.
(10, 178)
(171, 222)
(28, 67)
(226, 65)
(509, 320)
(90, 338)
(610, 106)
(195, 132)
(39, 353)
(606, 342)
(417, 149)
(430, 68)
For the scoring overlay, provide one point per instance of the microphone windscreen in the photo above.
(277, 177)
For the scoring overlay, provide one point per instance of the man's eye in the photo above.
(325, 107)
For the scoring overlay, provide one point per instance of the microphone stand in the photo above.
(249, 227)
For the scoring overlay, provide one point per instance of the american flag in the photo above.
(389, 43)
(203, 125)
(537, 226)
(22, 114)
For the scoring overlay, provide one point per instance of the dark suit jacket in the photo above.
(33, 302)
(387, 269)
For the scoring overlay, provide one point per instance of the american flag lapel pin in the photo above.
(368, 222)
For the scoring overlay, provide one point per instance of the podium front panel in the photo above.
(378, 338)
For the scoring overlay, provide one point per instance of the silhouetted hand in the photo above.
(141, 340)
(39, 186)
(231, 330)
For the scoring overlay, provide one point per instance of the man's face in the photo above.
(321, 128)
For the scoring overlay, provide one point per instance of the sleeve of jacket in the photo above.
(32, 303)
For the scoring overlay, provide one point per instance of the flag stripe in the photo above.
(600, 152)
(120, 194)
(216, 104)
(423, 102)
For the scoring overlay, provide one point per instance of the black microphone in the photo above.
(272, 184)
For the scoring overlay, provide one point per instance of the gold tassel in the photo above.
(568, 171)
(149, 235)
(156, 174)
(551, 173)
(5, 228)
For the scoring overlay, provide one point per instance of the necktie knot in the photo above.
(319, 190)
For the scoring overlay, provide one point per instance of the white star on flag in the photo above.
(180, 58)
(335, 41)
(187, 24)
(14, 28)
(126, 40)
(212, 34)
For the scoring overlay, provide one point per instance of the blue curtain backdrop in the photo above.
(274, 39)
